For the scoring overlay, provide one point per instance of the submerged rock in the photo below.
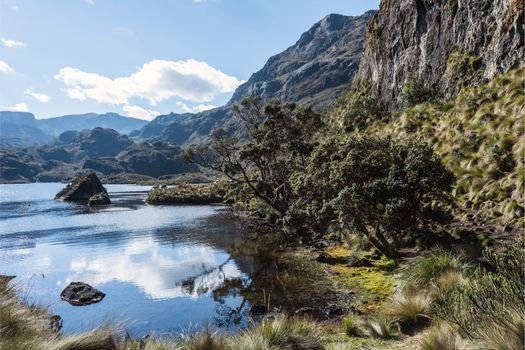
(101, 198)
(80, 294)
(82, 188)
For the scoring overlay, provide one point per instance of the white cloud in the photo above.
(4, 68)
(154, 82)
(202, 108)
(91, 2)
(12, 44)
(198, 108)
(37, 96)
(18, 107)
(158, 274)
(139, 112)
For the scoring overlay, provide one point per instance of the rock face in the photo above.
(81, 188)
(443, 42)
(80, 294)
(101, 198)
(317, 69)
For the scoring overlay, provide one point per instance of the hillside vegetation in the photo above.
(480, 137)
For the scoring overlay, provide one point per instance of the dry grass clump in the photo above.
(440, 337)
(282, 333)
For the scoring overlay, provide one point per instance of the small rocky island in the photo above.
(86, 187)
(207, 193)
(81, 294)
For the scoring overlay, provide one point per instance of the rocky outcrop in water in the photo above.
(82, 188)
(81, 294)
(101, 198)
(446, 43)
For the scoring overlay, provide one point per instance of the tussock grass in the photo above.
(431, 267)
(440, 337)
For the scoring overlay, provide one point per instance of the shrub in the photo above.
(490, 308)
(429, 267)
(358, 109)
(374, 186)
(415, 91)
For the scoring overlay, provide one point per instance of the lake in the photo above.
(163, 268)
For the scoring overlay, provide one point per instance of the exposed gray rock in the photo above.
(101, 198)
(82, 188)
(80, 294)
(415, 38)
(317, 69)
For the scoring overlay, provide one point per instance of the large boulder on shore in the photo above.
(101, 198)
(81, 188)
(80, 294)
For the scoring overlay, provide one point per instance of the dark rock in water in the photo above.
(101, 198)
(258, 309)
(82, 188)
(80, 294)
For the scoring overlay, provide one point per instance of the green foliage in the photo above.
(375, 186)
(427, 268)
(357, 110)
(490, 308)
(415, 91)
(481, 139)
(463, 67)
(277, 140)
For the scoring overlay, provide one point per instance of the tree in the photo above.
(276, 141)
(375, 186)
(358, 108)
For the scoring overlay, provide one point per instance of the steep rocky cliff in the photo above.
(445, 43)
(317, 69)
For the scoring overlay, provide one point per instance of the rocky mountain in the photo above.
(316, 70)
(58, 125)
(156, 127)
(446, 43)
(103, 150)
(21, 129)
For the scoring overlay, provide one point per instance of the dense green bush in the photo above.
(415, 91)
(357, 110)
(371, 185)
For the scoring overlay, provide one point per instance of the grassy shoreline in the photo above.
(409, 306)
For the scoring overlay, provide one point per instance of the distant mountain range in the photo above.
(21, 129)
(316, 70)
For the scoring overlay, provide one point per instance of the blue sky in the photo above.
(142, 58)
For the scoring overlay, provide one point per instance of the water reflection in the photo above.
(158, 271)
(162, 268)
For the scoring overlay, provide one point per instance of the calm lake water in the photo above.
(163, 268)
